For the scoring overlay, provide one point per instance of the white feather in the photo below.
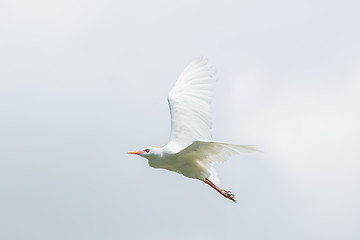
(190, 108)
(196, 160)
(214, 152)
(189, 103)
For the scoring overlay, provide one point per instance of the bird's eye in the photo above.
(147, 150)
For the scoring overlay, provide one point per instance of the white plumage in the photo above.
(190, 150)
(189, 103)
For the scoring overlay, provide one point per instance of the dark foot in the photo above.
(228, 195)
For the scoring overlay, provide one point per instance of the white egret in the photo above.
(190, 150)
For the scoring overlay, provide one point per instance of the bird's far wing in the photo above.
(212, 152)
(189, 103)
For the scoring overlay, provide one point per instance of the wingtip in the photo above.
(201, 59)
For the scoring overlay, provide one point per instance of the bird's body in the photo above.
(190, 150)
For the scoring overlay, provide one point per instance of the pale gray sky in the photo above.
(83, 82)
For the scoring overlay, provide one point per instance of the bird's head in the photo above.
(149, 152)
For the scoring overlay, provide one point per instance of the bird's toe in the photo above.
(228, 195)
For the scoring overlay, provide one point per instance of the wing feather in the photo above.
(189, 103)
(214, 152)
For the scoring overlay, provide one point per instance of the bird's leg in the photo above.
(223, 192)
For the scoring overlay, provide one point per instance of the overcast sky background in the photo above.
(83, 82)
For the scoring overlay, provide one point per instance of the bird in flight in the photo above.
(190, 151)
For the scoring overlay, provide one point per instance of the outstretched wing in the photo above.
(211, 152)
(189, 103)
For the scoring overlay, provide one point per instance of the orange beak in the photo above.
(137, 152)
